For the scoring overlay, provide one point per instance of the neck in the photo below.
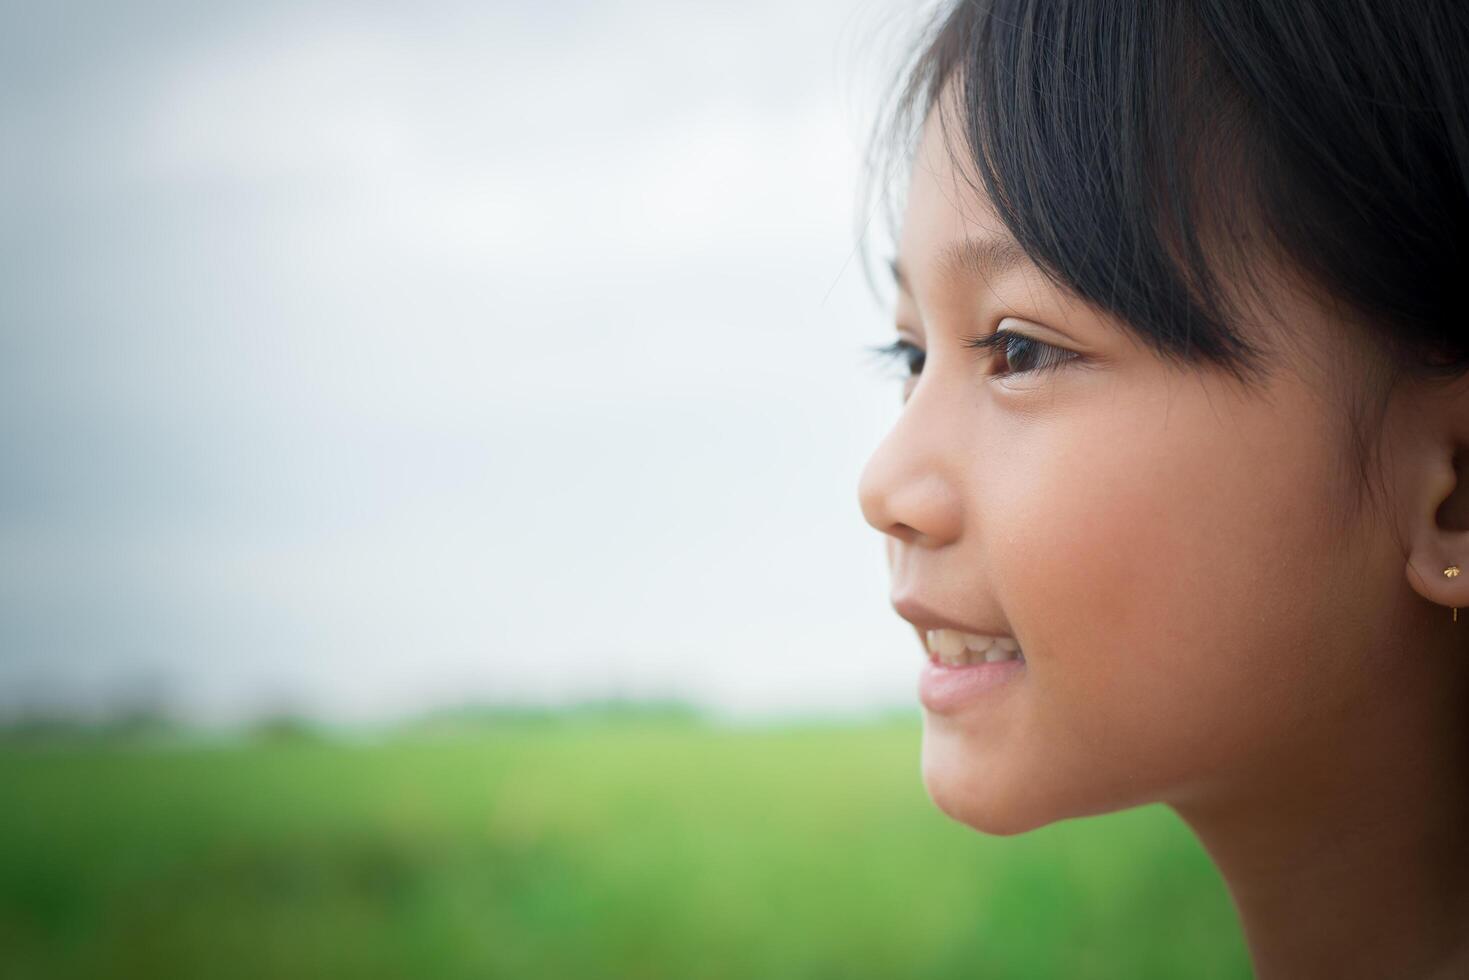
(1351, 857)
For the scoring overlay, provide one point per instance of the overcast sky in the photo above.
(364, 358)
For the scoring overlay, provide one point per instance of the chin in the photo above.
(973, 788)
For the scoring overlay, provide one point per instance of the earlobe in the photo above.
(1441, 539)
(1440, 580)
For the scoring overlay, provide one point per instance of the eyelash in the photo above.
(913, 355)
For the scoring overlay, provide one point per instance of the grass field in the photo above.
(581, 848)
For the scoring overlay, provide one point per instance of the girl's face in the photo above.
(1163, 543)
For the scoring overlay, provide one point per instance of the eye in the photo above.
(1023, 354)
(911, 355)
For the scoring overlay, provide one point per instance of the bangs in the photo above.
(1167, 162)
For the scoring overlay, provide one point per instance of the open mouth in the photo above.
(954, 648)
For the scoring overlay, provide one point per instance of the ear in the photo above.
(1437, 509)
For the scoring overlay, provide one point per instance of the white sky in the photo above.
(366, 358)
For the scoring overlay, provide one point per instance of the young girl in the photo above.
(1178, 500)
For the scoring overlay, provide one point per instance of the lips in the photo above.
(952, 642)
(927, 618)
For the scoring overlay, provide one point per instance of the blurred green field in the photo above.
(595, 848)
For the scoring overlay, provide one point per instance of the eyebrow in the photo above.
(983, 258)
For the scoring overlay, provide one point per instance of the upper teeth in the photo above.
(953, 647)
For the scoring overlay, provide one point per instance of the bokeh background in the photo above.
(429, 543)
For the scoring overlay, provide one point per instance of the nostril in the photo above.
(903, 532)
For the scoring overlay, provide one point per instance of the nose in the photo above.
(910, 487)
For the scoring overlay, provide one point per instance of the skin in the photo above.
(1201, 625)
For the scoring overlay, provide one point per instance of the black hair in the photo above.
(1154, 156)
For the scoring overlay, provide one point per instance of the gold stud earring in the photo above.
(1451, 572)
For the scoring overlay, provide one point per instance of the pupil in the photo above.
(1026, 348)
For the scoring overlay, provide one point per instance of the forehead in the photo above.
(950, 230)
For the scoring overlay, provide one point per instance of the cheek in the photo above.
(1159, 579)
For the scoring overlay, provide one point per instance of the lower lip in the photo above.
(944, 690)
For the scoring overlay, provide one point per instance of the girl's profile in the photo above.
(1179, 492)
